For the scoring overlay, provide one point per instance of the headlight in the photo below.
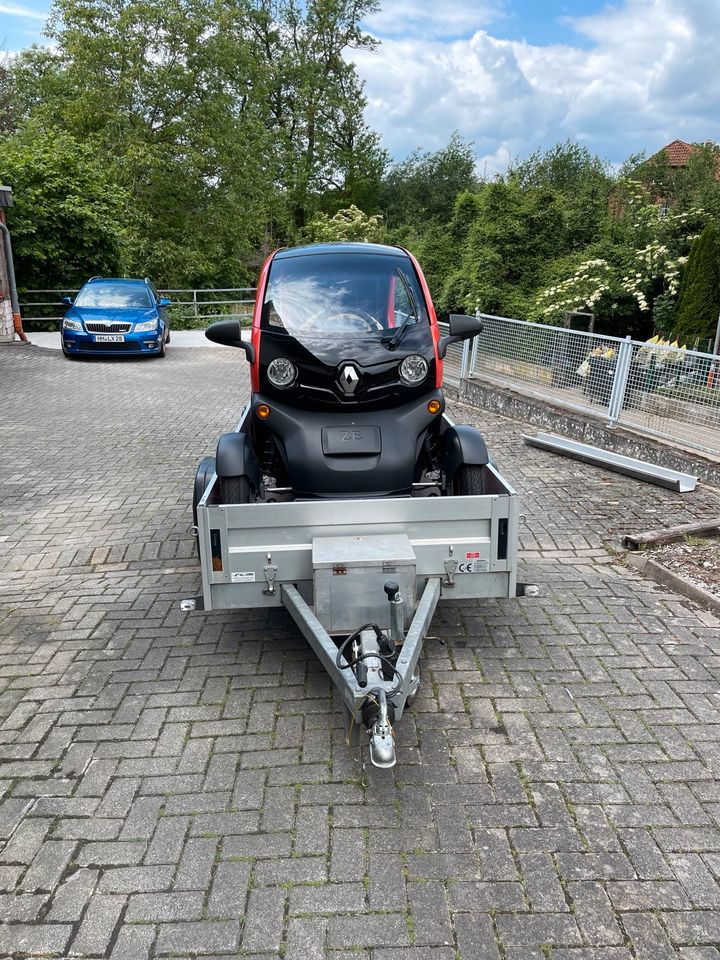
(70, 324)
(414, 369)
(146, 325)
(281, 372)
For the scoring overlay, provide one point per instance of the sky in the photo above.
(514, 76)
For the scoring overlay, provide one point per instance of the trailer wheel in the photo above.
(469, 481)
(235, 490)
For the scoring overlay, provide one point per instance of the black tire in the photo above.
(235, 490)
(469, 481)
(161, 352)
(167, 338)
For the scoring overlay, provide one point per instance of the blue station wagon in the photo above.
(116, 317)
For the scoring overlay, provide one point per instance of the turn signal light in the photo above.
(263, 411)
(434, 406)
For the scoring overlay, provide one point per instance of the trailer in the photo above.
(360, 578)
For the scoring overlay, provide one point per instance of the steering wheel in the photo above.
(353, 320)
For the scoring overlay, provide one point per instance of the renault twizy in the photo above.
(347, 396)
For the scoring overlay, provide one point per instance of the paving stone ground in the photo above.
(177, 786)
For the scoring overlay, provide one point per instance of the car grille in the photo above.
(107, 347)
(112, 327)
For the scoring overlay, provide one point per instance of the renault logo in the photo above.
(349, 378)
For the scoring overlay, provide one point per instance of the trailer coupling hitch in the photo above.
(382, 736)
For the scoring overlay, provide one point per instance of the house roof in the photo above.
(678, 153)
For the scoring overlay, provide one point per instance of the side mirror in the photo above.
(462, 327)
(164, 302)
(229, 334)
(68, 301)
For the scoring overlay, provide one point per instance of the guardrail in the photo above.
(199, 305)
(664, 391)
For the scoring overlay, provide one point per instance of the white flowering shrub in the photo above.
(642, 261)
(348, 224)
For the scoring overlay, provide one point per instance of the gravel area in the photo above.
(696, 559)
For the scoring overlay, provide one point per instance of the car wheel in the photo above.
(235, 490)
(161, 352)
(469, 481)
(167, 338)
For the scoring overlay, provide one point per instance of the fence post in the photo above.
(473, 355)
(620, 380)
(195, 313)
(465, 362)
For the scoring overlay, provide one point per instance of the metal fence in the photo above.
(664, 391)
(197, 306)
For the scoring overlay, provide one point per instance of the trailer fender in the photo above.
(462, 444)
(235, 457)
(203, 476)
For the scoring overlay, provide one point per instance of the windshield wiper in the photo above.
(392, 341)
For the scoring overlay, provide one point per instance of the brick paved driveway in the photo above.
(177, 785)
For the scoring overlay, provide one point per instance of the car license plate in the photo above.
(109, 338)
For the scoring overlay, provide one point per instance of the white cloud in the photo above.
(642, 73)
(17, 10)
(418, 18)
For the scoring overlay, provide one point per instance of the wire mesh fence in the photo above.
(663, 390)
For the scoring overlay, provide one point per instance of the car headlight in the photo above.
(146, 325)
(70, 324)
(414, 369)
(281, 372)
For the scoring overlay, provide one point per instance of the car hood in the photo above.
(112, 314)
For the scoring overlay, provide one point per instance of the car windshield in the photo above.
(342, 294)
(114, 295)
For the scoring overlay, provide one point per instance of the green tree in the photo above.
(514, 233)
(68, 216)
(699, 300)
(580, 182)
(226, 124)
(424, 187)
(314, 102)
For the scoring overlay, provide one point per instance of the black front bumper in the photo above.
(347, 454)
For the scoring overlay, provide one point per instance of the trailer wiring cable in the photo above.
(349, 664)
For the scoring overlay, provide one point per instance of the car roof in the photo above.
(315, 249)
(144, 282)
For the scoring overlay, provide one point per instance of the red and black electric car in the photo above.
(347, 400)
